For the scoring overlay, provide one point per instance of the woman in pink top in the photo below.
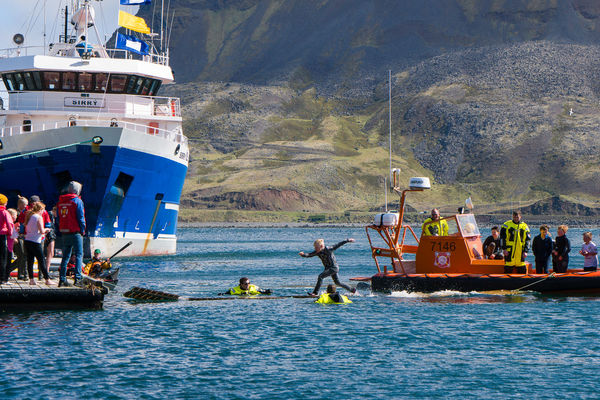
(10, 243)
(34, 236)
(6, 230)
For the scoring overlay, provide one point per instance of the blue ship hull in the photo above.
(130, 194)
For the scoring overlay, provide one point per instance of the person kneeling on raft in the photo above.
(332, 297)
(246, 289)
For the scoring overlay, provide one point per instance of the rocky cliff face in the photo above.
(498, 100)
(263, 41)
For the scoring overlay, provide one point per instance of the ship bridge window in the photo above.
(20, 83)
(29, 81)
(146, 87)
(85, 82)
(69, 81)
(9, 82)
(37, 79)
(51, 80)
(117, 83)
(101, 82)
(139, 81)
(154, 88)
(80, 82)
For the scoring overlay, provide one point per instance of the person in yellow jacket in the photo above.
(246, 289)
(332, 297)
(434, 226)
(515, 238)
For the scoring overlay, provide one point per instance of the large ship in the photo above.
(81, 111)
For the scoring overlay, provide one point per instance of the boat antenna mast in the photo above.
(390, 125)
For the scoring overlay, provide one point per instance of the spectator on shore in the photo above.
(19, 245)
(6, 230)
(590, 253)
(34, 236)
(10, 244)
(562, 247)
(515, 238)
(50, 237)
(71, 222)
(492, 246)
(542, 250)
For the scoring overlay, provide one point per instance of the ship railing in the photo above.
(162, 59)
(174, 135)
(153, 58)
(136, 105)
(21, 51)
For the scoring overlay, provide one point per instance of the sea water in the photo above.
(441, 345)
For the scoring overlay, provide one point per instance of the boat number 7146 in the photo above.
(443, 246)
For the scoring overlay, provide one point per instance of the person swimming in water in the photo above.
(325, 253)
(246, 289)
(332, 297)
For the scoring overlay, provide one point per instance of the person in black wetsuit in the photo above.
(325, 253)
(542, 249)
(492, 246)
(562, 247)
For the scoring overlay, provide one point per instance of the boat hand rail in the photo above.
(137, 105)
(175, 135)
(20, 51)
(161, 59)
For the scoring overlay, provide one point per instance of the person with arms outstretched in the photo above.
(325, 253)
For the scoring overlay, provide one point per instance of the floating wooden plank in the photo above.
(144, 294)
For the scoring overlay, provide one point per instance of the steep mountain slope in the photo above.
(467, 119)
(495, 100)
(353, 41)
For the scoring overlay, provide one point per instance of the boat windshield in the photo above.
(468, 225)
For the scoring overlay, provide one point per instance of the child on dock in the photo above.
(589, 252)
(329, 262)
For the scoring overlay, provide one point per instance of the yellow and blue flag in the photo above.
(132, 22)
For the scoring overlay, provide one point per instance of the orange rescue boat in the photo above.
(455, 261)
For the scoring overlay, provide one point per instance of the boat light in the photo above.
(419, 183)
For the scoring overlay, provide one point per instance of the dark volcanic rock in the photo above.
(353, 40)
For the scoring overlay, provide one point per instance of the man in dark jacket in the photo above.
(542, 249)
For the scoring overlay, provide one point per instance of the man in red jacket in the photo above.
(71, 223)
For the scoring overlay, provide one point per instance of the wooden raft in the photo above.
(17, 295)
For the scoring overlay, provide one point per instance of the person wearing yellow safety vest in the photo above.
(434, 226)
(515, 237)
(332, 297)
(246, 289)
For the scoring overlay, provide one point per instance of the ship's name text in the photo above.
(87, 103)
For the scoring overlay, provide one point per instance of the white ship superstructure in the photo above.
(86, 113)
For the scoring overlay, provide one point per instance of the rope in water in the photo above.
(552, 275)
